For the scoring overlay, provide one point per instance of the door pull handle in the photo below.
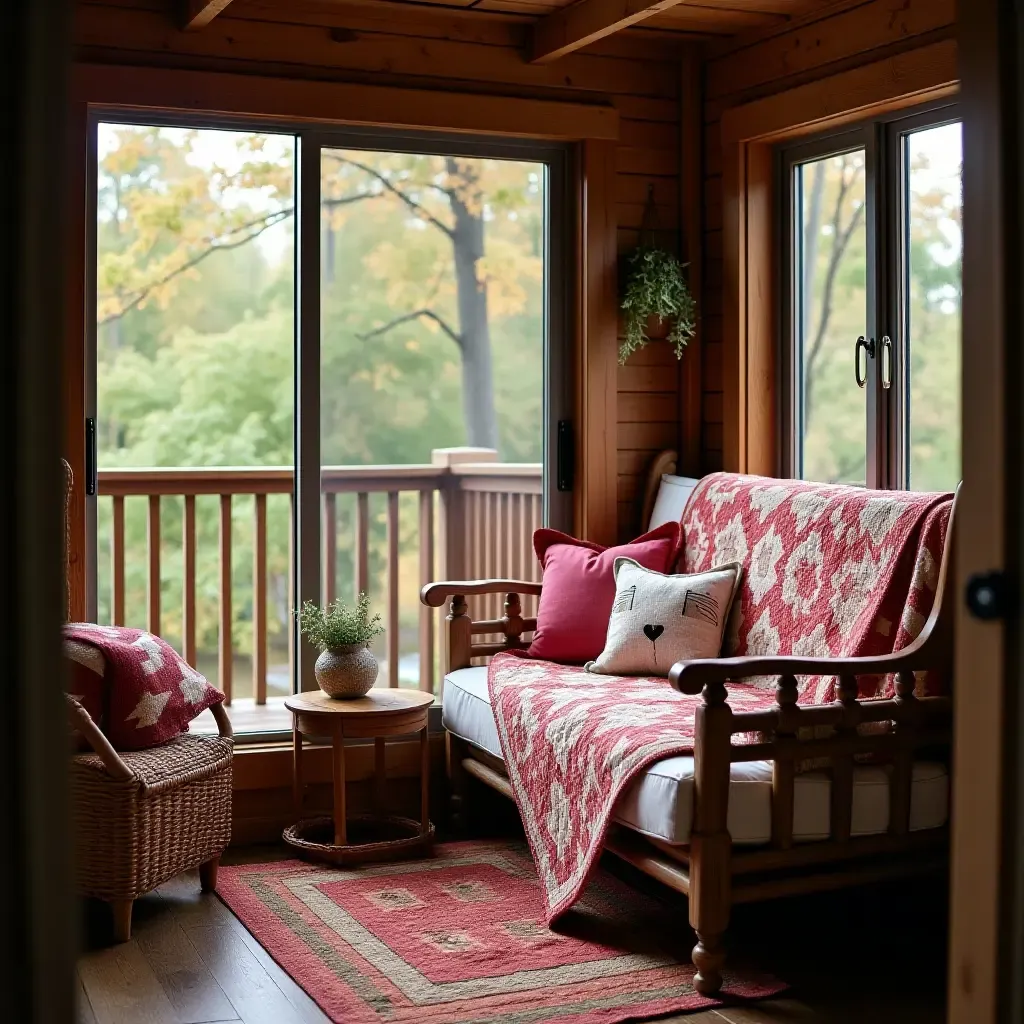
(886, 368)
(869, 351)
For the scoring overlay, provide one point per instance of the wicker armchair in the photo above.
(141, 817)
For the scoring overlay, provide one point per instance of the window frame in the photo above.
(568, 162)
(886, 314)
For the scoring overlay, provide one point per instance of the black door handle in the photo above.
(869, 351)
(565, 468)
(91, 469)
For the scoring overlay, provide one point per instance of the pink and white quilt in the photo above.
(829, 570)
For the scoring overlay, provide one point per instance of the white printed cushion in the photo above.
(658, 619)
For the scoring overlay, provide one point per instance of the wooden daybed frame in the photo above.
(709, 870)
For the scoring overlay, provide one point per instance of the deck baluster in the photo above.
(225, 652)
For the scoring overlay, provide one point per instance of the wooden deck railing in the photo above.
(487, 511)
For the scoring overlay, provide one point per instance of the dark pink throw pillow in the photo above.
(579, 589)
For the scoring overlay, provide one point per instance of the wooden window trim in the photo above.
(750, 258)
(593, 128)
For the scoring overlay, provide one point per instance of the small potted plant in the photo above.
(346, 668)
(656, 301)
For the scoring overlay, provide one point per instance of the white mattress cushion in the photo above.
(659, 803)
(673, 494)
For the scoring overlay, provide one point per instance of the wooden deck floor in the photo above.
(866, 955)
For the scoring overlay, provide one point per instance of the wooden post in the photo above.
(710, 843)
(842, 764)
(188, 582)
(903, 759)
(117, 554)
(784, 769)
(153, 532)
(225, 664)
(455, 751)
(392, 608)
(362, 553)
(330, 547)
(426, 533)
(460, 635)
(259, 601)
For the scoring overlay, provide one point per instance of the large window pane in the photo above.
(830, 293)
(433, 323)
(194, 371)
(932, 166)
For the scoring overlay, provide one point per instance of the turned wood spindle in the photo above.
(460, 634)
(784, 769)
(905, 686)
(710, 842)
(842, 764)
(513, 620)
(905, 728)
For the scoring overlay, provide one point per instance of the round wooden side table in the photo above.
(383, 712)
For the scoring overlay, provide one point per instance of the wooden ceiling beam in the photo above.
(199, 13)
(571, 28)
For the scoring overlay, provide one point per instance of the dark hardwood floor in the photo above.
(866, 956)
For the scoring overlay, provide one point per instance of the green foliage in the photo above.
(197, 371)
(656, 287)
(338, 625)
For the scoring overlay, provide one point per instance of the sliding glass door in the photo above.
(436, 364)
(870, 326)
(324, 365)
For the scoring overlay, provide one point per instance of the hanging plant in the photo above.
(656, 294)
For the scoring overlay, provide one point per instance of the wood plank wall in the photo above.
(843, 36)
(637, 71)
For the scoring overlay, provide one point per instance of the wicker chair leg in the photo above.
(122, 911)
(208, 874)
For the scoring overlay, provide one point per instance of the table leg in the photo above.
(379, 775)
(296, 770)
(339, 788)
(424, 783)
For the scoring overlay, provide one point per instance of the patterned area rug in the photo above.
(460, 937)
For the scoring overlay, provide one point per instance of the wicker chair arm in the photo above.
(435, 594)
(81, 720)
(222, 720)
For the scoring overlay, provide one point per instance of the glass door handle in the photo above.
(869, 350)
(886, 369)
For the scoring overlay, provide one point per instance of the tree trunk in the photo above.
(474, 329)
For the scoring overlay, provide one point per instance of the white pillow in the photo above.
(673, 494)
(658, 620)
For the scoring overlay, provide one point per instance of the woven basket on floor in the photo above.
(167, 812)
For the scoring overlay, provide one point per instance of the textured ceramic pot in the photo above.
(346, 672)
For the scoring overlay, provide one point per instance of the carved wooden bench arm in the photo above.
(790, 733)
(692, 676)
(461, 628)
(435, 594)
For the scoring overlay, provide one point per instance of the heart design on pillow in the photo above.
(683, 614)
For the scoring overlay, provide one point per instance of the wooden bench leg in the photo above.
(709, 959)
(122, 913)
(709, 908)
(455, 751)
(208, 874)
(710, 843)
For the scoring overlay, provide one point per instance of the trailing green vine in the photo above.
(656, 287)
